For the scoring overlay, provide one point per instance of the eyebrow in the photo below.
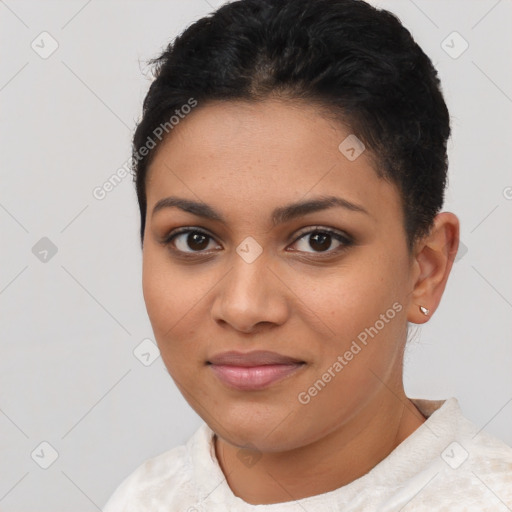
(279, 215)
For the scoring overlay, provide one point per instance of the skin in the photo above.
(244, 160)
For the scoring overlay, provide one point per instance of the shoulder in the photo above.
(473, 474)
(482, 466)
(471, 469)
(478, 450)
(166, 478)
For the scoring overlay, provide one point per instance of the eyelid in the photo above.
(186, 229)
(347, 239)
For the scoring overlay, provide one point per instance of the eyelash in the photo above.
(345, 240)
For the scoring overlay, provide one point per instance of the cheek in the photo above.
(362, 320)
(358, 313)
(170, 298)
(352, 296)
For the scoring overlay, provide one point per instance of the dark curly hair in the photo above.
(357, 63)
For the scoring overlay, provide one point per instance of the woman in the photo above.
(290, 169)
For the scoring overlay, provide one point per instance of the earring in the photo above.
(424, 310)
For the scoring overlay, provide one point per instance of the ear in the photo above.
(433, 259)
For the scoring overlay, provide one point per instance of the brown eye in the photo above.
(321, 241)
(197, 241)
(191, 241)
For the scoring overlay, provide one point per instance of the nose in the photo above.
(250, 297)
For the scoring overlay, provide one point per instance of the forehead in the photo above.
(245, 133)
(271, 152)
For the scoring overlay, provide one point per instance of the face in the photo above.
(266, 237)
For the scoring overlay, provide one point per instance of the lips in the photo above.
(255, 358)
(253, 370)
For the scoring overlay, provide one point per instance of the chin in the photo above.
(266, 429)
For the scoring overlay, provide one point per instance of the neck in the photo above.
(333, 461)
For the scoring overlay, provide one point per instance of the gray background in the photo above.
(70, 324)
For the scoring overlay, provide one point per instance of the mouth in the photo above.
(253, 371)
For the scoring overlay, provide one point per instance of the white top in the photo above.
(447, 464)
